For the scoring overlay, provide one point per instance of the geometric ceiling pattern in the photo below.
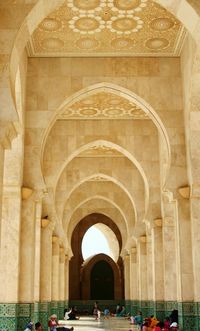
(103, 106)
(107, 27)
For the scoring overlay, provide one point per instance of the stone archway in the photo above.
(76, 262)
(101, 279)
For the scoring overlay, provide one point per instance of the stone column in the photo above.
(133, 274)
(195, 219)
(1, 178)
(10, 243)
(66, 275)
(38, 214)
(157, 265)
(149, 264)
(27, 250)
(142, 268)
(185, 245)
(133, 280)
(170, 258)
(127, 276)
(62, 279)
(46, 261)
(55, 269)
(10, 197)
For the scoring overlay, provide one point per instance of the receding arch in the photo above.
(86, 271)
(125, 93)
(77, 260)
(109, 178)
(113, 146)
(71, 225)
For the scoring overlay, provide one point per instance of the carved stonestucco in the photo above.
(135, 27)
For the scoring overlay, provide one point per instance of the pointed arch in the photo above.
(109, 178)
(113, 146)
(125, 93)
(71, 225)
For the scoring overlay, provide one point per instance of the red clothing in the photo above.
(157, 328)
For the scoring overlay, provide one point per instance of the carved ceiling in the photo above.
(103, 106)
(101, 151)
(108, 28)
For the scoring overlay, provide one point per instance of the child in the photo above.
(106, 313)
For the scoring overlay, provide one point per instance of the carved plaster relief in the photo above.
(104, 27)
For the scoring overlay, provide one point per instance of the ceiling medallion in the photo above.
(87, 43)
(114, 112)
(86, 24)
(161, 24)
(90, 111)
(52, 44)
(50, 24)
(122, 43)
(125, 24)
(86, 5)
(129, 5)
(157, 43)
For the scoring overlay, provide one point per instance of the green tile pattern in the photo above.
(8, 313)
(14, 317)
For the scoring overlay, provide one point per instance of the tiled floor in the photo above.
(112, 324)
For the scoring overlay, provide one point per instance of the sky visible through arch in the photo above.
(94, 242)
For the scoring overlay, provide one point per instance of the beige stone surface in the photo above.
(105, 132)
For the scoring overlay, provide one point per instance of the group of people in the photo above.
(30, 326)
(53, 325)
(71, 314)
(153, 324)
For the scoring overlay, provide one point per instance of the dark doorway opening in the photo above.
(102, 281)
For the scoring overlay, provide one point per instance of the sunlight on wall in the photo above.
(94, 242)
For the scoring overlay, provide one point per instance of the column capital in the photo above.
(184, 192)
(143, 239)
(47, 224)
(7, 133)
(55, 239)
(133, 250)
(26, 192)
(157, 222)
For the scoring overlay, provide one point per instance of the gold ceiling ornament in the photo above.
(98, 179)
(101, 151)
(52, 44)
(157, 43)
(102, 27)
(162, 24)
(87, 43)
(51, 24)
(103, 106)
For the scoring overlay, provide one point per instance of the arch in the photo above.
(44, 7)
(77, 261)
(110, 213)
(109, 178)
(99, 197)
(125, 93)
(87, 269)
(113, 146)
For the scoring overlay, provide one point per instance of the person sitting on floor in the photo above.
(106, 313)
(138, 319)
(29, 326)
(122, 312)
(72, 315)
(54, 326)
(38, 326)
